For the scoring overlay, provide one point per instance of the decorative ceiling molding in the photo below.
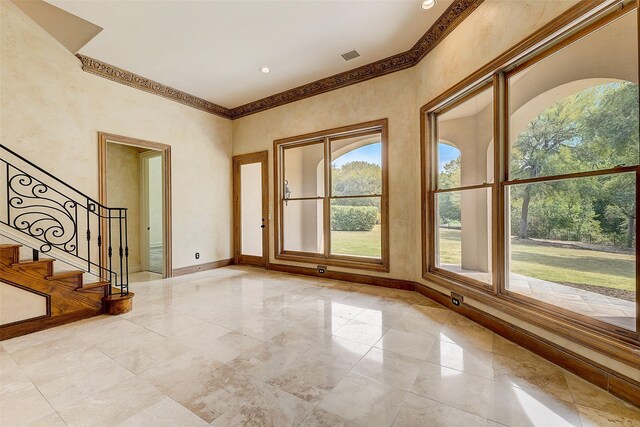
(450, 19)
(111, 72)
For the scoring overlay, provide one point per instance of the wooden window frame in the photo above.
(579, 21)
(325, 137)
(434, 190)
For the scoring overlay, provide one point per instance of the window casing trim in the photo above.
(325, 137)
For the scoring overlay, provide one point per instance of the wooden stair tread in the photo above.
(93, 285)
(27, 263)
(65, 275)
(9, 246)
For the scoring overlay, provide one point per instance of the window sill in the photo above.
(378, 265)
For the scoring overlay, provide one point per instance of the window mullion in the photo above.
(326, 203)
(499, 213)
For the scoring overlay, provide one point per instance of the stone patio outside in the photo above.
(612, 310)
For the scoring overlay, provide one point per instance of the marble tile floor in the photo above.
(240, 346)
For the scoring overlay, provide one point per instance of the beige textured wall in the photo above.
(51, 112)
(493, 28)
(17, 304)
(123, 190)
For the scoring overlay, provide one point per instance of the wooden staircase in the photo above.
(68, 298)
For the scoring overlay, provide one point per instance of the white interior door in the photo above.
(251, 208)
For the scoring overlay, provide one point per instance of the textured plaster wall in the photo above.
(17, 304)
(51, 112)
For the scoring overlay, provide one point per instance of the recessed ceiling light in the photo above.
(265, 70)
(427, 4)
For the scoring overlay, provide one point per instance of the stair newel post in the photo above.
(125, 278)
(120, 249)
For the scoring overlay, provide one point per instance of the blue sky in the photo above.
(446, 153)
(369, 153)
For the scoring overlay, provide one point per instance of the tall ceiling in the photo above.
(215, 49)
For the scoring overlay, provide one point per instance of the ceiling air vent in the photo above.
(350, 55)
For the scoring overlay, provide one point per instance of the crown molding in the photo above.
(450, 19)
(111, 72)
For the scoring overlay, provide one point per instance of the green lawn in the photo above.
(358, 243)
(557, 264)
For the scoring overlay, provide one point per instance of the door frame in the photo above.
(144, 158)
(263, 158)
(105, 138)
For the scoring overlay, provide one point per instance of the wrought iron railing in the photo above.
(64, 220)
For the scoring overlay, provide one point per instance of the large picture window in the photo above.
(332, 197)
(546, 216)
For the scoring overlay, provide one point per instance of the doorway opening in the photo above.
(151, 211)
(135, 174)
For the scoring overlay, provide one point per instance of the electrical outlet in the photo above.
(456, 299)
(322, 269)
(197, 255)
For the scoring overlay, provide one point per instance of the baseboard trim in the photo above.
(39, 324)
(613, 382)
(364, 279)
(201, 267)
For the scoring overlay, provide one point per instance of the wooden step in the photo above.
(5, 246)
(65, 275)
(9, 254)
(88, 286)
(43, 266)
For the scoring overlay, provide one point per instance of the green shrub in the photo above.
(353, 218)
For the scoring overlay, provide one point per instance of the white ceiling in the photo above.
(214, 49)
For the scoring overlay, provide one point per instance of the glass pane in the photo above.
(448, 166)
(573, 245)
(356, 166)
(356, 228)
(251, 208)
(463, 233)
(465, 142)
(566, 118)
(302, 220)
(304, 171)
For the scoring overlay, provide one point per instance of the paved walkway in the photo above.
(612, 310)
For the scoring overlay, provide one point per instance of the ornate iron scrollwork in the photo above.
(42, 213)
